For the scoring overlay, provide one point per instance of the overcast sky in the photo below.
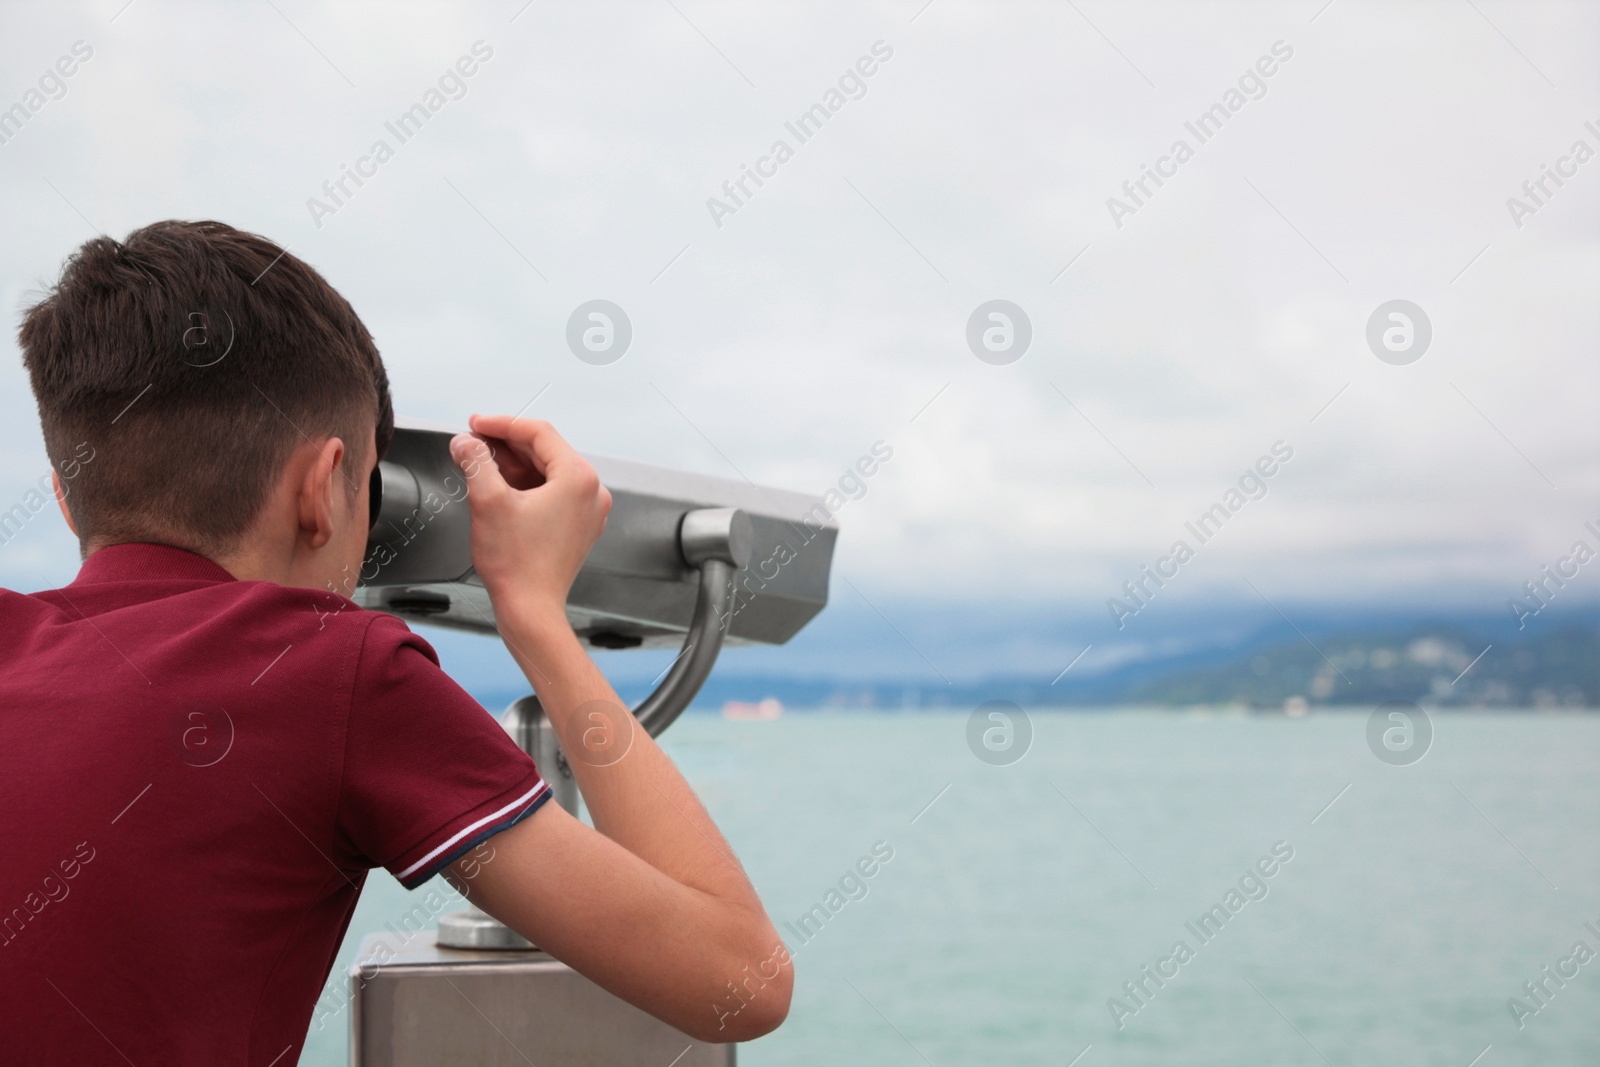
(1175, 339)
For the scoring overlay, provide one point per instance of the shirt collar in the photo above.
(134, 562)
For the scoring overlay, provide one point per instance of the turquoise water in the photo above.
(1411, 910)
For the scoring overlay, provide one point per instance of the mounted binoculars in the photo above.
(686, 560)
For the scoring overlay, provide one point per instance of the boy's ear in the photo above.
(61, 501)
(324, 476)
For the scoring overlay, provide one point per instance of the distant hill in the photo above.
(1443, 667)
(1437, 665)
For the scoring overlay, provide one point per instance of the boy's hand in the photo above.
(537, 509)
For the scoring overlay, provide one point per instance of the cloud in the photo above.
(1221, 317)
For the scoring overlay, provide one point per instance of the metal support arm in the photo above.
(700, 650)
(717, 542)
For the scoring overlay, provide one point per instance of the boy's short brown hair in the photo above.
(193, 358)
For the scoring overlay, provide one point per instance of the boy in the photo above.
(204, 747)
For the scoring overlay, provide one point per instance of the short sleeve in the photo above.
(428, 773)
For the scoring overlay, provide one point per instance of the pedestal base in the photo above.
(426, 1006)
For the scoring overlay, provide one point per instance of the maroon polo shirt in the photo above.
(196, 774)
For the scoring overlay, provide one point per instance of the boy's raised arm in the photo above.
(653, 906)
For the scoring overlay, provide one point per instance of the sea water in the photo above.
(1029, 911)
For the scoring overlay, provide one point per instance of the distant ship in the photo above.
(763, 711)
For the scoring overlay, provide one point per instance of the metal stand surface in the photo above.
(427, 1006)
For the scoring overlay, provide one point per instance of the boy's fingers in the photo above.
(533, 438)
(484, 480)
(518, 470)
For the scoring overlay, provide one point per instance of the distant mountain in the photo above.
(1437, 665)
(935, 655)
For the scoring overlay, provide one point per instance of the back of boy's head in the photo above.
(193, 358)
